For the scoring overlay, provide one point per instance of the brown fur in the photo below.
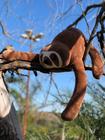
(70, 45)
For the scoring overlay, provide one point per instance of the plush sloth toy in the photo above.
(65, 51)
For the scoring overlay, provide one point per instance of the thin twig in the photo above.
(93, 31)
(56, 88)
(3, 28)
(85, 19)
(90, 39)
(48, 92)
(85, 13)
(6, 33)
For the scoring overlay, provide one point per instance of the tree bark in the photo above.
(9, 125)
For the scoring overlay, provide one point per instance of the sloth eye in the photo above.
(54, 58)
(47, 61)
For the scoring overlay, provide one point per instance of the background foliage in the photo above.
(40, 100)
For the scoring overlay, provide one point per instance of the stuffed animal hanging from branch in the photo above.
(66, 51)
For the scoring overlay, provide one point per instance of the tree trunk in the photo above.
(9, 125)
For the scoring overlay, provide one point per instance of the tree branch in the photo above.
(85, 13)
(15, 65)
(93, 33)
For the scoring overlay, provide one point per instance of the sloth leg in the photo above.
(75, 103)
(97, 63)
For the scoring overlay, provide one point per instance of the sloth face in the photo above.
(50, 59)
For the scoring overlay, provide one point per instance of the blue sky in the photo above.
(43, 16)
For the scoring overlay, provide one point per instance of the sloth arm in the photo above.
(11, 55)
(75, 103)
